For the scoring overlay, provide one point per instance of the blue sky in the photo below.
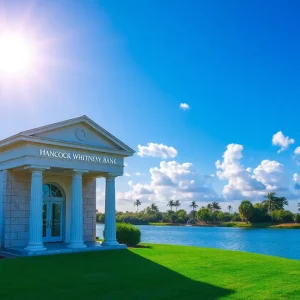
(129, 65)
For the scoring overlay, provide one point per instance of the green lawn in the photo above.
(260, 225)
(157, 272)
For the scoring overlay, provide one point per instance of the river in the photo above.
(278, 242)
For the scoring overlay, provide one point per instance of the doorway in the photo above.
(53, 212)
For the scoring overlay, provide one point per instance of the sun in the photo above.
(16, 54)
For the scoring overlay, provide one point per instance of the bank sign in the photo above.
(78, 157)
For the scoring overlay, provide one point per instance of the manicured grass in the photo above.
(157, 272)
(260, 225)
(287, 226)
(164, 224)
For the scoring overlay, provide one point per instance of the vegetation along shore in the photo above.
(270, 213)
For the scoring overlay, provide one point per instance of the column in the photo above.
(110, 212)
(76, 240)
(35, 242)
(1, 208)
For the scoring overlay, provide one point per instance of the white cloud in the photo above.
(296, 179)
(127, 175)
(100, 198)
(245, 183)
(172, 180)
(297, 151)
(282, 141)
(240, 182)
(271, 174)
(157, 150)
(184, 106)
(139, 174)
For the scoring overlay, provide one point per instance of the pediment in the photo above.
(81, 131)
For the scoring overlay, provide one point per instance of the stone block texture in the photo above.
(89, 209)
(16, 208)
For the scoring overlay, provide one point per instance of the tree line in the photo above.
(272, 209)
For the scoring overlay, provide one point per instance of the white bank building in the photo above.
(48, 188)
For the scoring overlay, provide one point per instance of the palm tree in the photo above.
(229, 208)
(281, 202)
(273, 202)
(246, 210)
(270, 202)
(209, 206)
(215, 208)
(193, 206)
(171, 204)
(153, 208)
(137, 203)
(177, 204)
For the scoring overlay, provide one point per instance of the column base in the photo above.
(110, 243)
(78, 245)
(35, 248)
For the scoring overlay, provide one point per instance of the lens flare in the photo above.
(16, 54)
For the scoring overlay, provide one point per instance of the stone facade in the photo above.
(16, 208)
(89, 209)
(69, 156)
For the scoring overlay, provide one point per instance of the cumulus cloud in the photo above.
(279, 139)
(297, 151)
(240, 181)
(127, 175)
(173, 180)
(296, 179)
(157, 150)
(139, 174)
(245, 183)
(184, 106)
(272, 175)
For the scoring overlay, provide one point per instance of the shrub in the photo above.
(281, 215)
(128, 234)
(204, 214)
(236, 218)
(297, 218)
(173, 218)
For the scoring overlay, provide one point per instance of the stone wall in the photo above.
(16, 208)
(2, 183)
(89, 209)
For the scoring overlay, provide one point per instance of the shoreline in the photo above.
(229, 224)
(237, 225)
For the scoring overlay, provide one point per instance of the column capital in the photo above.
(36, 168)
(110, 176)
(78, 171)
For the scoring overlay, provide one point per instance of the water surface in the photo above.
(278, 242)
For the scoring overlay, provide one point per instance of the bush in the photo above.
(281, 215)
(236, 218)
(128, 234)
(297, 218)
(204, 214)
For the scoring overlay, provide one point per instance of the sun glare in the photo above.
(16, 54)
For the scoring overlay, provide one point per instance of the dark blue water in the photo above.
(278, 242)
